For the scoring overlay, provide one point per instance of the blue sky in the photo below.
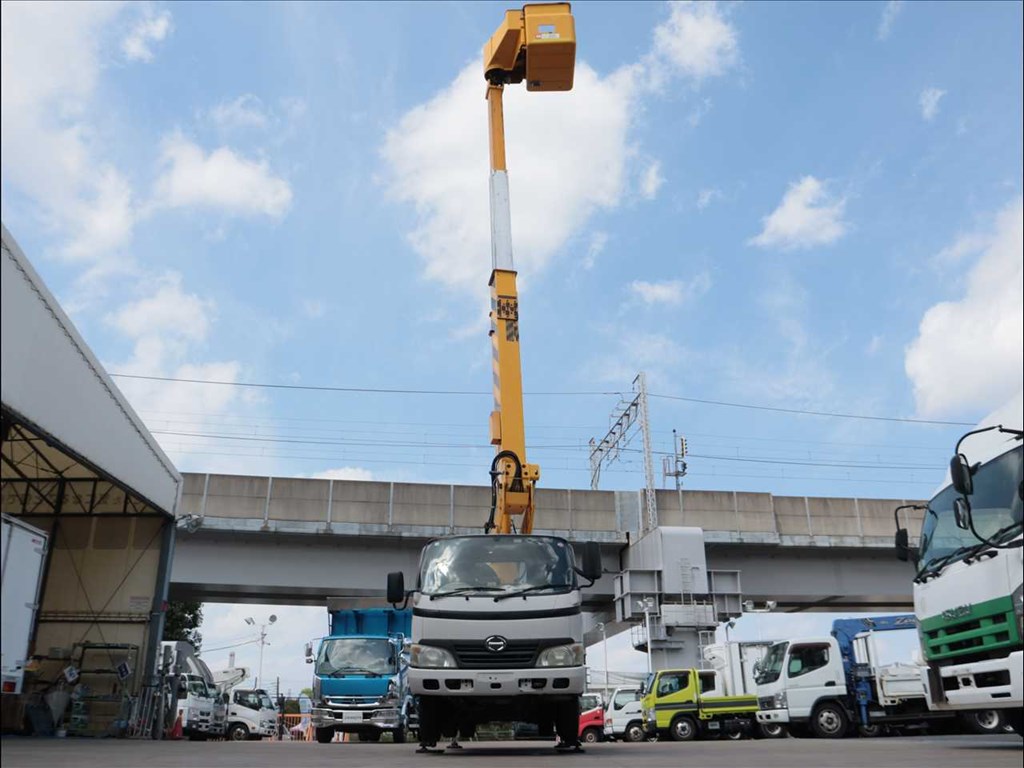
(802, 206)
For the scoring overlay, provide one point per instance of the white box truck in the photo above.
(23, 555)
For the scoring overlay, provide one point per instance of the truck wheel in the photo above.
(682, 729)
(398, 736)
(238, 732)
(771, 730)
(634, 732)
(983, 721)
(324, 735)
(829, 721)
(567, 722)
(430, 722)
(870, 731)
(591, 736)
(735, 735)
(1015, 719)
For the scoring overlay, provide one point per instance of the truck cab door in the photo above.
(813, 671)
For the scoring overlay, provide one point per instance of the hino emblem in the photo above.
(956, 613)
(496, 643)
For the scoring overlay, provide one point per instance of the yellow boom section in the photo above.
(536, 44)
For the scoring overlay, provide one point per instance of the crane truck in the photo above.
(497, 628)
(828, 684)
(970, 567)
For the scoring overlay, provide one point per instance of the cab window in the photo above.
(806, 658)
(707, 682)
(622, 698)
(672, 682)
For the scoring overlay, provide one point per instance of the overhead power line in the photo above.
(475, 393)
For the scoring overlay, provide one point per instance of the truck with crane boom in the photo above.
(826, 685)
(970, 566)
(497, 628)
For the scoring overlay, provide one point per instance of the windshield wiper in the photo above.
(934, 566)
(354, 671)
(464, 590)
(535, 588)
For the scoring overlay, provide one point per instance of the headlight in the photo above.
(429, 657)
(779, 701)
(649, 714)
(561, 656)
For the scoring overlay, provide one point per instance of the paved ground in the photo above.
(931, 752)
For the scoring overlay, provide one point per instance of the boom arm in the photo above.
(537, 44)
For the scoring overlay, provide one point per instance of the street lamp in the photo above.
(646, 605)
(604, 643)
(262, 640)
(730, 624)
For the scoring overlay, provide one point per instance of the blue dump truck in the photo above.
(360, 683)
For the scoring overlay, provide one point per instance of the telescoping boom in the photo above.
(536, 44)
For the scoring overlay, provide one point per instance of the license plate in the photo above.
(351, 717)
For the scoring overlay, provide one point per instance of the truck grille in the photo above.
(517, 654)
(975, 638)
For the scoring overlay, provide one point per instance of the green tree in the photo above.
(182, 621)
(307, 692)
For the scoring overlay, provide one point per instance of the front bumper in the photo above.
(352, 720)
(773, 716)
(969, 686)
(533, 681)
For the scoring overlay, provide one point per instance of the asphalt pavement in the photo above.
(1002, 751)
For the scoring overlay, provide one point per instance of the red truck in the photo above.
(591, 718)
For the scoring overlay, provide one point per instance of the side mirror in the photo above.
(309, 653)
(902, 545)
(960, 473)
(592, 568)
(962, 512)
(396, 587)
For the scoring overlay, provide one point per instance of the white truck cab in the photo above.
(251, 715)
(623, 717)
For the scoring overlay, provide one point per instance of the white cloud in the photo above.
(805, 218)
(598, 242)
(671, 291)
(707, 196)
(969, 353)
(435, 157)
(245, 112)
(345, 473)
(166, 311)
(151, 28)
(929, 102)
(437, 160)
(651, 181)
(889, 13)
(696, 42)
(50, 67)
(221, 179)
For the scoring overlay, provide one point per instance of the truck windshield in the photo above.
(494, 564)
(771, 665)
(995, 508)
(355, 656)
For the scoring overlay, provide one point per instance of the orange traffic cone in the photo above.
(177, 731)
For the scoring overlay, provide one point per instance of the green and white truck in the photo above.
(967, 590)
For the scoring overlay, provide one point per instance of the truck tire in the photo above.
(238, 732)
(324, 735)
(430, 722)
(983, 721)
(829, 721)
(567, 723)
(682, 729)
(591, 735)
(872, 731)
(1015, 719)
(634, 732)
(771, 730)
